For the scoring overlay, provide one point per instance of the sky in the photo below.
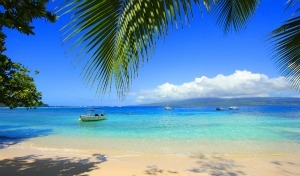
(195, 61)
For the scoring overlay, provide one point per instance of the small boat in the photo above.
(233, 108)
(220, 109)
(168, 108)
(92, 115)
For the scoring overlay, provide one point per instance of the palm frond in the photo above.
(113, 38)
(234, 14)
(286, 51)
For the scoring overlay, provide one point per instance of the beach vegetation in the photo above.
(114, 38)
(17, 87)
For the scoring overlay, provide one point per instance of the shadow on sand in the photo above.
(285, 168)
(154, 170)
(13, 134)
(212, 166)
(217, 166)
(60, 166)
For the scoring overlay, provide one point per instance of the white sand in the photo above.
(29, 158)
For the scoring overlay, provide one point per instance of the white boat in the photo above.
(92, 115)
(233, 107)
(168, 108)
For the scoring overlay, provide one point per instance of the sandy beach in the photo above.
(22, 159)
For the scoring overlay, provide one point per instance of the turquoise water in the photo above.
(254, 123)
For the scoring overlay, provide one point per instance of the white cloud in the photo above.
(238, 84)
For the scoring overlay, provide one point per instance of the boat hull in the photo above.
(233, 108)
(86, 118)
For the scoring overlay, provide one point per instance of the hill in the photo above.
(253, 101)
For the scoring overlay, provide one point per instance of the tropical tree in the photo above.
(115, 37)
(17, 87)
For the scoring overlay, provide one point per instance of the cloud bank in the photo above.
(239, 84)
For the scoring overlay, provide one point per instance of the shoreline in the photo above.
(26, 159)
(141, 146)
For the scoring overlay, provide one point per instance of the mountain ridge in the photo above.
(249, 101)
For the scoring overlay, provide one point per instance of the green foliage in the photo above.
(19, 14)
(234, 14)
(286, 51)
(17, 88)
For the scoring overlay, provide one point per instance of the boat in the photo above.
(233, 108)
(220, 109)
(92, 115)
(168, 108)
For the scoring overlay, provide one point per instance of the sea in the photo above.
(135, 130)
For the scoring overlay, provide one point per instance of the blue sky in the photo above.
(196, 61)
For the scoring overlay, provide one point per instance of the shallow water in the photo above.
(182, 131)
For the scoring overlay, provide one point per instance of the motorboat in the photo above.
(169, 108)
(233, 108)
(220, 109)
(92, 115)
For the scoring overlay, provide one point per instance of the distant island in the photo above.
(252, 101)
(42, 105)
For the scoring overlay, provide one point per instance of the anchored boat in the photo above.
(233, 108)
(92, 115)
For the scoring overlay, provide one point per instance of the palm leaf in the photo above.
(113, 38)
(234, 14)
(286, 51)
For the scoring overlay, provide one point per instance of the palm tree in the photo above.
(117, 36)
